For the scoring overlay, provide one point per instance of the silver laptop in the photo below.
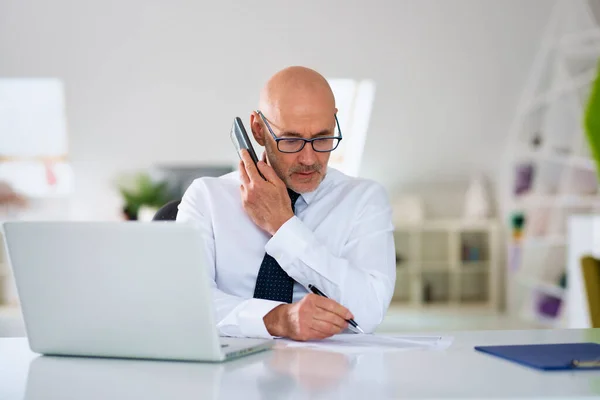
(118, 289)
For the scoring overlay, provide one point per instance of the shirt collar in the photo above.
(310, 196)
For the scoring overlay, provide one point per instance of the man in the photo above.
(267, 240)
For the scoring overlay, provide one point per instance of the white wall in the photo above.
(154, 81)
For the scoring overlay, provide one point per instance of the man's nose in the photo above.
(307, 155)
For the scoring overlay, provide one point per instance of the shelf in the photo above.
(544, 287)
(563, 200)
(472, 267)
(472, 271)
(474, 264)
(571, 39)
(582, 162)
(559, 158)
(545, 241)
(426, 264)
(448, 225)
(582, 52)
(575, 83)
(432, 269)
(446, 306)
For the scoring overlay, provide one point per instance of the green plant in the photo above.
(140, 191)
(592, 121)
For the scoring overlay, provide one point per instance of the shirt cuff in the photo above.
(250, 318)
(289, 242)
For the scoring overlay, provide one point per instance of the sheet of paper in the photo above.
(352, 343)
(432, 342)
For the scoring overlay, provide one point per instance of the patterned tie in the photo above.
(272, 282)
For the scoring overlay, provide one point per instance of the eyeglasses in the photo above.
(322, 144)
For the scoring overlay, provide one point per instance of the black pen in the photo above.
(316, 291)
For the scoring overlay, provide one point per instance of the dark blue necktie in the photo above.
(272, 282)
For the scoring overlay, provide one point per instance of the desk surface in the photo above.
(300, 373)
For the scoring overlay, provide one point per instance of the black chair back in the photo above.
(168, 212)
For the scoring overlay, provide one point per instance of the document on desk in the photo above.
(353, 343)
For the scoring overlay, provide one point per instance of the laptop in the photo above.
(118, 289)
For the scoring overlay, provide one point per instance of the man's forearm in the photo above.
(240, 317)
(362, 279)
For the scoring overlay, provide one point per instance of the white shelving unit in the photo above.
(448, 263)
(551, 174)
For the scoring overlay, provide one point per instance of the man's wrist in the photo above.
(273, 320)
(280, 223)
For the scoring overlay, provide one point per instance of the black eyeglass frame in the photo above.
(311, 141)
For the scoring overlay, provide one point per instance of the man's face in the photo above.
(302, 171)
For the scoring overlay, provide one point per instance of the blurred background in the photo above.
(478, 117)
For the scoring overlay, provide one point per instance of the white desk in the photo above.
(458, 372)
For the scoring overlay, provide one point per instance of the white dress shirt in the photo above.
(340, 240)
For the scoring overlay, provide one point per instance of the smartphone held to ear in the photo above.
(241, 141)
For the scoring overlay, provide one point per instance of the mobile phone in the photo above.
(240, 140)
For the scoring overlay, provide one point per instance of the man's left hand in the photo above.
(266, 201)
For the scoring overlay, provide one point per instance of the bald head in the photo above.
(296, 90)
(297, 103)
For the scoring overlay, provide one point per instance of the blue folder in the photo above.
(550, 357)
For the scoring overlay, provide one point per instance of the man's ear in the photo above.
(258, 131)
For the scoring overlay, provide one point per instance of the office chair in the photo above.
(168, 212)
(590, 267)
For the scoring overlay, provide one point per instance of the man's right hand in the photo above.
(313, 317)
